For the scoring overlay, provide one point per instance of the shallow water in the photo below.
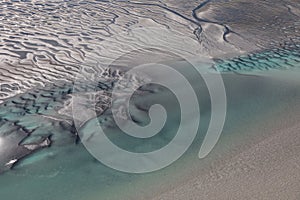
(44, 44)
(66, 170)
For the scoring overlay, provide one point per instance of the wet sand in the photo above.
(258, 153)
(43, 46)
(269, 170)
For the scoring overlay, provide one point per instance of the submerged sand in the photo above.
(258, 155)
(41, 53)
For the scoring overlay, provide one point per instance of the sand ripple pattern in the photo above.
(275, 59)
(43, 45)
(46, 41)
(261, 24)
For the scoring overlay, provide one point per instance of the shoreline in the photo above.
(256, 167)
(260, 172)
(233, 151)
(243, 148)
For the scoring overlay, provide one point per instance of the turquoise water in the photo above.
(276, 59)
(66, 170)
(43, 45)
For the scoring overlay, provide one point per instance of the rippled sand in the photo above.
(44, 44)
